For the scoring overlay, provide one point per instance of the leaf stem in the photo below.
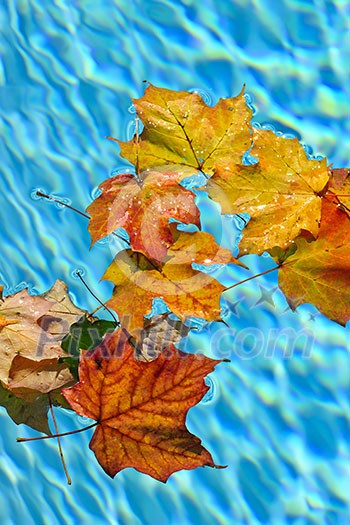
(69, 480)
(91, 314)
(40, 194)
(254, 277)
(22, 440)
(137, 164)
(97, 299)
(341, 204)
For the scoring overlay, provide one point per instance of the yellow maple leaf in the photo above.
(281, 193)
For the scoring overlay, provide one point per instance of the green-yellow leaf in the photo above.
(179, 128)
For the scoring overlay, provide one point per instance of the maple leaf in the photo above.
(141, 407)
(180, 129)
(31, 331)
(281, 193)
(187, 292)
(319, 271)
(143, 209)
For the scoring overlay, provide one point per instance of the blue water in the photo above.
(278, 413)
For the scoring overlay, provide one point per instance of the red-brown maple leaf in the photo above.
(141, 407)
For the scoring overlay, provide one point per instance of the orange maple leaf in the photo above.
(187, 292)
(141, 408)
(143, 209)
(319, 271)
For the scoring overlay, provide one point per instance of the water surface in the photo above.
(68, 71)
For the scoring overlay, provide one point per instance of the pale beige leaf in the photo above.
(34, 326)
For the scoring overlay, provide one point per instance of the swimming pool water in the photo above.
(68, 71)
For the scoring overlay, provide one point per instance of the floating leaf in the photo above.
(143, 209)
(187, 292)
(28, 377)
(141, 407)
(32, 413)
(281, 192)
(319, 271)
(179, 128)
(31, 331)
(86, 334)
